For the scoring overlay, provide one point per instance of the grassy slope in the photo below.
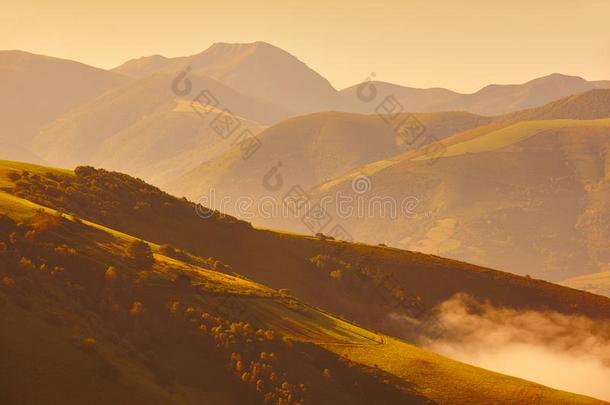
(485, 138)
(431, 372)
(66, 368)
(501, 138)
(596, 283)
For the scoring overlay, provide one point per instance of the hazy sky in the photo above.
(461, 45)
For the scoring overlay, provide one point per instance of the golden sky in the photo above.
(461, 45)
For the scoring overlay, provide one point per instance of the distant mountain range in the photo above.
(491, 100)
(50, 98)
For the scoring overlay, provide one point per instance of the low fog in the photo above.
(571, 353)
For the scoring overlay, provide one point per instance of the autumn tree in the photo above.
(140, 253)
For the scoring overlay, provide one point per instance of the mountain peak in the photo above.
(255, 44)
(558, 77)
(228, 49)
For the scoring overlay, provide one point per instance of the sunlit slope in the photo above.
(68, 342)
(596, 283)
(430, 372)
(485, 138)
(515, 133)
(592, 104)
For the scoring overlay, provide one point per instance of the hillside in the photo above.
(590, 105)
(37, 89)
(313, 149)
(595, 283)
(131, 206)
(510, 196)
(86, 310)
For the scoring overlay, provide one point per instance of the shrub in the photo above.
(88, 345)
(136, 308)
(84, 171)
(326, 374)
(336, 275)
(140, 253)
(42, 221)
(14, 176)
(167, 250)
(183, 280)
(8, 281)
(111, 274)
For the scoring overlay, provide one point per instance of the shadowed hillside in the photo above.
(297, 263)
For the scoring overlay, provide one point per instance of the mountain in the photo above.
(87, 311)
(146, 129)
(269, 73)
(490, 100)
(144, 66)
(37, 89)
(256, 69)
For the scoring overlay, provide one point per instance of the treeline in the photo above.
(367, 280)
(100, 194)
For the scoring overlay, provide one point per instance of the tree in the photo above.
(140, 253)
(84, 171)
(167, 250)
(183, 280)
(111, 273)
